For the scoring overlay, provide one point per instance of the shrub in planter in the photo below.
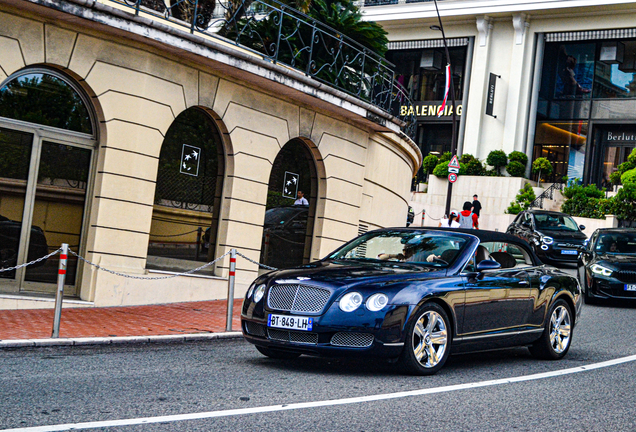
(475, 168)
(629, 177)
(624, 203)
(518, 156)
(429, 163)
(523, 200)
(497, 159)
(585, 201)
(542, 166)
(516, 169)
(629, 164)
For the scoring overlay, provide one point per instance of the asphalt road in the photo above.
(68, 385)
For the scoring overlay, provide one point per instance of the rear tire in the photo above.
(557, 335)
(277, 354)
(428, 341)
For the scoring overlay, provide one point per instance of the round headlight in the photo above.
(599, 269)
(250, 291)
(377, 302)
(350, 302)
(259, 292)
(547, 240)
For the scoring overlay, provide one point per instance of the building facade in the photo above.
(548, 78)
(152, 150)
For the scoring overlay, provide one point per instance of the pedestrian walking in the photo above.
(468, 219)
(449, 222)
(476, 207)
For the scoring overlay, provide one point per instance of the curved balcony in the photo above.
(286, 36)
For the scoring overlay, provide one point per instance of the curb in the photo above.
(83, 341)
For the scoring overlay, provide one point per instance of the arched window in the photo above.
(188, 194)
(46, 142)
(291, 207)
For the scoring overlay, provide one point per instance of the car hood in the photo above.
(354, 272)
(617, 262)
(558, 235)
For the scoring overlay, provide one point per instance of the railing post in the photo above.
(230, 291)
(61, 277)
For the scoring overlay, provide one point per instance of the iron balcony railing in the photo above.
(284, 35)
(547, 194)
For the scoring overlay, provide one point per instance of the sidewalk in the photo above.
(204, 318)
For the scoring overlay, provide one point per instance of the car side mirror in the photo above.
(481, 267)
(488, 265)
(581, 227)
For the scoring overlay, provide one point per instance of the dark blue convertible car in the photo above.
(415, 296)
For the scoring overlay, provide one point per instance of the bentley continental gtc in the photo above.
(414, 296)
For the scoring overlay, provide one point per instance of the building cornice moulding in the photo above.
(450, 8)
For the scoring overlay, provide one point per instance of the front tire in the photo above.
(277, 354)
(585, 288)
(557, 335)
(428, 341)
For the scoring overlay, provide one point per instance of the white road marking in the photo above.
(304, 405)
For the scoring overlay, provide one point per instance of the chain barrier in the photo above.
(257, 263)
(98, 267)
(32, 262)
(174, 235)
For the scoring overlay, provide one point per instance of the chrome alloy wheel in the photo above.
(430, 338)
(560, 329)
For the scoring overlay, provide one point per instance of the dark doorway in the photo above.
(288, 225)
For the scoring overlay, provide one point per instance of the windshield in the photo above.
(623, 243)
(555, 222)
(438, 249)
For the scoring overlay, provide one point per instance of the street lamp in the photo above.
(440, 27)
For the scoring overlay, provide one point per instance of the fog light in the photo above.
(544, 247)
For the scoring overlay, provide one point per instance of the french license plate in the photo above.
(569, 252)
(630, 287)
(290, 322)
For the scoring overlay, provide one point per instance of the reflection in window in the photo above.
(564, 145)
(15, 148)
(187, 196)
(421, 72)
(44, 99)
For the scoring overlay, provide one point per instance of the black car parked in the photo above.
(284, 233)
(415, 296)
(555, 237)
(10, 240)
(607, 266)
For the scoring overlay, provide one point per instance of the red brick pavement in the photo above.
(168, 319)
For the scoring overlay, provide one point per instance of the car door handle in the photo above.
(524, 283)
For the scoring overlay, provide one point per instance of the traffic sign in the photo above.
(454, 162)
(452, 177)
(453, 170)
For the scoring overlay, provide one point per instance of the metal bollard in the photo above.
(230, 290)
(61, 277)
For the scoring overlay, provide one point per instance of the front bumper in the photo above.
(608, 288)
(335, 333)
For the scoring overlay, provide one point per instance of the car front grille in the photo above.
(293, 336)
(255, 329)
(354, 340)
(626, 276)
(297, 298)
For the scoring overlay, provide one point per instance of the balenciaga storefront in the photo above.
(586, 111)
(420, 68)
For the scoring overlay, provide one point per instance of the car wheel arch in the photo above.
(440, 303)
(567, 297)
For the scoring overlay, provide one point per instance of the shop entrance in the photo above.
(46, 152)
(612, 144)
